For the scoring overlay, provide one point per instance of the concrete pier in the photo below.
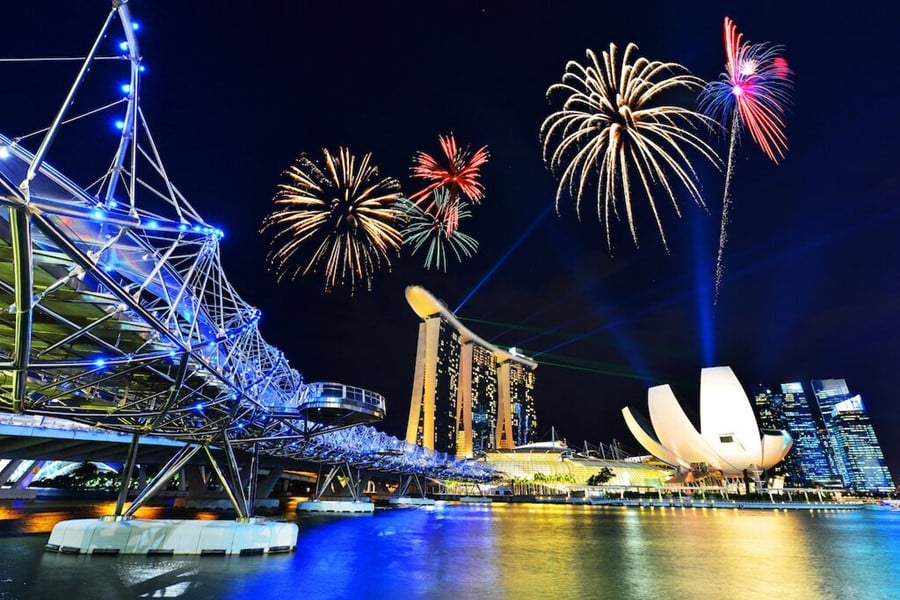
(409, 501)
(336, 506)
(162, 537)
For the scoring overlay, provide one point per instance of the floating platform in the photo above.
(336, 506)
(476, 499)
(408, 501)
(166, 537)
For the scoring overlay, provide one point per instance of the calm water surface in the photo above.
(491, 551)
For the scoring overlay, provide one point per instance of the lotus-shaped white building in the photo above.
(729, 439)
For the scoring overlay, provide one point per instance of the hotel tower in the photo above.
(468, 395)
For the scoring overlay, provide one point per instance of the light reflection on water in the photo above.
(506, 551)
(29, 517)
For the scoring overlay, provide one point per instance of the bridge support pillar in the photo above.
(28, 476)
(268, 483)
(10, 468)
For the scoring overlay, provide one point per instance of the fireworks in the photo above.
(752, 93)
(460, 178)
(613, 133)
(427, 229)
(341, 217)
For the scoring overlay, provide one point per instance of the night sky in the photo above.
(234, 92)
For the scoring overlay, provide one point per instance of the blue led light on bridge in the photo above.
(97, 214)
(4, 152)
(198, 407)
(120, 124)
(135, 25)
(126, 88)
(100, 363)
(152, 224)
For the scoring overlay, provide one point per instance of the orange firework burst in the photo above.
(613, 134)
(340, 219)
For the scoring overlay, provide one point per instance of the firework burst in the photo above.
(460, 178)
(612, 132)
(340, 219)
(428, 230)
(753, 93)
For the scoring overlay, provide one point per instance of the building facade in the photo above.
(814, 467)
(468, 396)
(834, 441)
(806, 465)
(857, 449)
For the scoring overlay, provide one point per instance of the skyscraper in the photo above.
(834, 441)
(813, 467)
(848, 437)
(521, 394)
(805, 465)
(828, 393)
(770, 413)
(468, 395)
(858, 449)
(437, 380)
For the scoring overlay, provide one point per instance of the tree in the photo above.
(602, 477)
(85, 476)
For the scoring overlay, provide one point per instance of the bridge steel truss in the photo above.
(119, 314)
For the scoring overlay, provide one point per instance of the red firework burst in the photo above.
(460, 176)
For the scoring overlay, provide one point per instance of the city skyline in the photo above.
(809, 288)
(835, 443)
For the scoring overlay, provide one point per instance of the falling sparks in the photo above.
(613, 133)
(753, 94)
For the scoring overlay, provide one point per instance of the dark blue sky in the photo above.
(233, 93)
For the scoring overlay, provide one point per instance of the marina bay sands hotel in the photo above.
(468, 395)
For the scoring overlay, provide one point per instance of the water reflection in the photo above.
(501, 551)
(30, 517)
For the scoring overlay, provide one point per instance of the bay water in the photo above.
(500, 551)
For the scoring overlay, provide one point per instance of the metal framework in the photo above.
(119, 315)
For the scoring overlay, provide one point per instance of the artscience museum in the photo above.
(729, 443)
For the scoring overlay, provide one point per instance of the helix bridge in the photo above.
(118, 313)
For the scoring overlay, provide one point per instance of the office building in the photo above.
(834, 441)
(857, 448)
(813, 467)
(848, 437)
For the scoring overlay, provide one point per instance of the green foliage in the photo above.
(554, 478)
(602, 477)
(85, 476)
